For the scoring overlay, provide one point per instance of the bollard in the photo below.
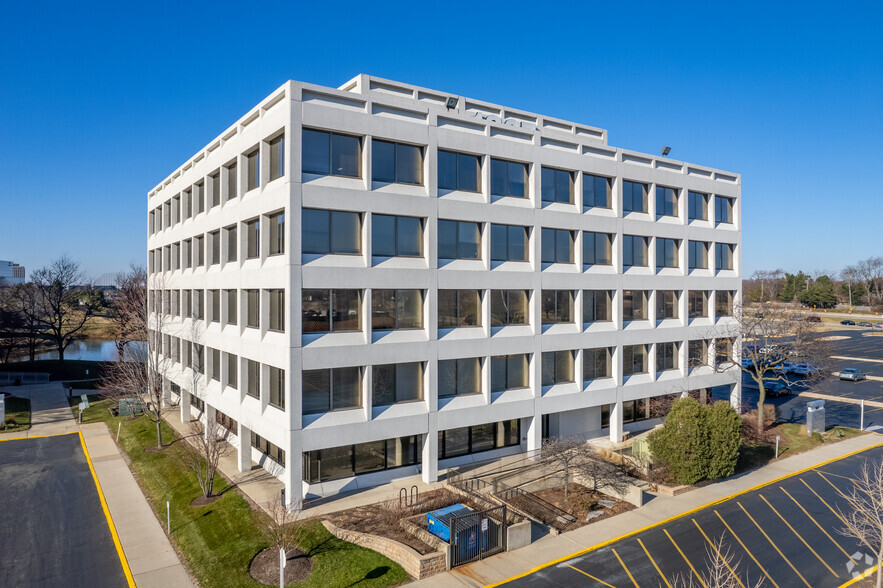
(777, 446)
(119, 425)
(168, 518)
(861, 426)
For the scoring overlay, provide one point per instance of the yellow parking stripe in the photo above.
(802, 540)
(701, 581)
(836, 514)
(748, 551)
(591, 576)
(853, 480)
(625, 568)
(836, 488)
(722, 558)
(822, 529)
(653, 561)
(776, 547)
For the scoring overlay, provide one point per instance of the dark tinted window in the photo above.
(508, 178)
(397, 163)
(458, 171)
(596, 191)
(508, 243)
(331, 154)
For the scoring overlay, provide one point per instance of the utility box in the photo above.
(130, 406)
(815, 417)
(439, 521)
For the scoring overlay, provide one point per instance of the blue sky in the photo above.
(100, 102)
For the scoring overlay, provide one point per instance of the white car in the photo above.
(771, 348)
(786, 367)
(852, 374)
(805, 369)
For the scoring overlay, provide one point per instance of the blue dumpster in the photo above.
(439, 521)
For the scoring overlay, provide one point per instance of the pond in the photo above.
(88, 349)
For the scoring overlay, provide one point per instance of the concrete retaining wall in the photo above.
(418, 566)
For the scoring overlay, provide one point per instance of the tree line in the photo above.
(55, 308)
(860, 284)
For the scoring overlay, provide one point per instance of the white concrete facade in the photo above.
(375, 109)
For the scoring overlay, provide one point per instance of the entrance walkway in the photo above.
(500, 568)
(150, 555)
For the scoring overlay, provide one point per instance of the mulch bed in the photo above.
(580, 502)
(383, 518)
(202, 500)
(265, 566)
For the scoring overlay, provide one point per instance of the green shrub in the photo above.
(725, 440)
(682, 443)
(698, 442)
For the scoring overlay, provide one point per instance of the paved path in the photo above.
(554, 548)
(150, 556)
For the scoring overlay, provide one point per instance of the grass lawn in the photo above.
(18, 411)
(219, 540)
(793, 441)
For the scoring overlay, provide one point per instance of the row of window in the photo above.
(326, 390)
(221, 185)
(335, 463)
(337, 310)
(225, 368)
(325, 311)
(340, 233)
(336, 154)
(222, 306)
(221, 246)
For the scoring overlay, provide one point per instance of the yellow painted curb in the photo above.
(683, 514)
(861, 576)
(40, 436)
(113, 530)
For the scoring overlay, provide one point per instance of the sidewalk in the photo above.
(50, 412)
(151, 558)
(501, 567)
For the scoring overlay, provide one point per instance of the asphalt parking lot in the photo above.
(858, 349)
(783, 533)
(53, 531)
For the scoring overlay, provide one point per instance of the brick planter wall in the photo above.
(418, 566)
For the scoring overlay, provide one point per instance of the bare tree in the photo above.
(770, 282)
(62, 309)
(563, 454)
(600, 473)
(864, 519)
(23, 301)
(723, 570)
(126, 307)
(770, 337)
(850, 275)
(144, 375)
(285, 529)
(209, 448)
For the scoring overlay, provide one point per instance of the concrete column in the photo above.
(243, 452)
(184, 405)
(616, 421)
(736, 394)
(534, 433)
(429, 457)
(166, 393)
(209, 418)
(293, 478)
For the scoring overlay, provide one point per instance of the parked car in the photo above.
(805, 369)
(758, 315)
(847, 322)
(747, 363)
(769, 348)
(775, 389)
(796, 317)
(878, 326)
(864, 324)
(786, 367)
(813, 319)
(852, 374)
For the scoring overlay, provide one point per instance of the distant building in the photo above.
(11, 273)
